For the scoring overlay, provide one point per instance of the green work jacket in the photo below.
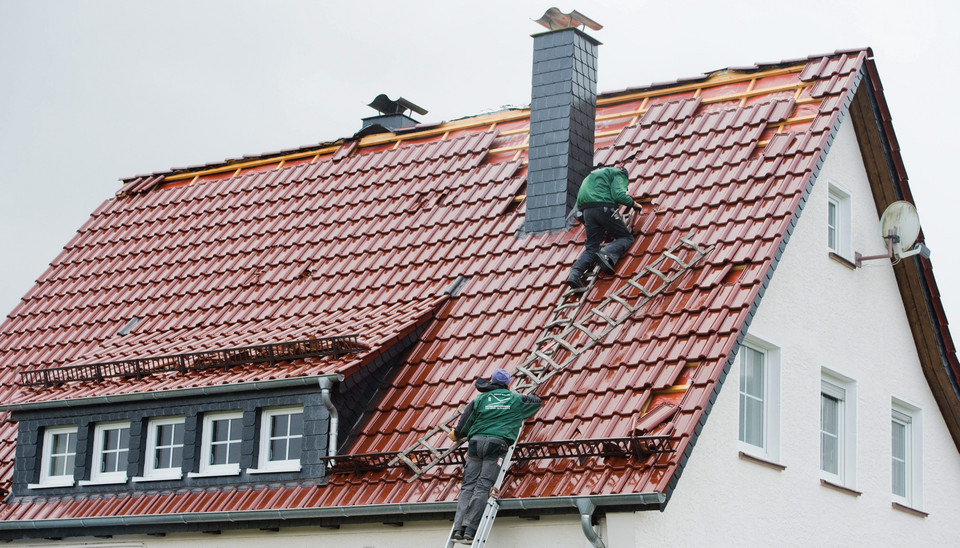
(604, 185)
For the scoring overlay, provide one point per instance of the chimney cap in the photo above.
(555, 19)
(384, 105)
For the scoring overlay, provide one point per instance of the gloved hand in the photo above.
(638, 208)
(452, 435)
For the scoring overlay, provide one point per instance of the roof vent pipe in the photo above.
(562, 119)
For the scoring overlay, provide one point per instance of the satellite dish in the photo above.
(901, 219)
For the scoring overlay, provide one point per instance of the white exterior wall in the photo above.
(821, 313)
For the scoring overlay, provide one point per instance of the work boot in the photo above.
(575, 280)
(606, 263)
(468, 535)
(458, 534)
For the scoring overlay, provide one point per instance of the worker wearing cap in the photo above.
(601, 193)
(491, 423)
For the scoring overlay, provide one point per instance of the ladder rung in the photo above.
(646, 292)
(657, 273)
(606, 318)
(586, 331)
(675, 259)
(623, 303)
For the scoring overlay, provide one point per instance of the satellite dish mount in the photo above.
(900, 228)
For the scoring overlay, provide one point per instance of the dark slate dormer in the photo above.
(562, 121)
(393, 114)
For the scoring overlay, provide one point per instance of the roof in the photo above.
(364, 236)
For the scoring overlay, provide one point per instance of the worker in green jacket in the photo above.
(491, 423)
(601, 193)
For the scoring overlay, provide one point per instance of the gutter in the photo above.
(175, 393)
(651, 500)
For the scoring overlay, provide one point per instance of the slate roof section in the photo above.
(363, 236)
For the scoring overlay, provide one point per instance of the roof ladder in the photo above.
(564, 339)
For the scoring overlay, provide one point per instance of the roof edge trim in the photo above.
(648, 500)
(173, 393)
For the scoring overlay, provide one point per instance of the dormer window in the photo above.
(111, 447)
(58, 457)
(164, 453)
(222, 439)
(281, 440)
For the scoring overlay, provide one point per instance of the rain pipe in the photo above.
(325, 385)
(586, 507)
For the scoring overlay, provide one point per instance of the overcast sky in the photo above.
(94, 91)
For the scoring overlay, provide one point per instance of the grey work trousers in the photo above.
(600, 222)
(484, 457)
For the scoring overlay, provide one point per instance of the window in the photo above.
(837, 429)
(220, 444)
(281, 440)
(759, 421)
(164, 453)
(838, 221)
(58, 457)
(906, 454)
(111, 448)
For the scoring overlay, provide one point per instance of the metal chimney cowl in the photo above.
(393, 114)
(562, 124)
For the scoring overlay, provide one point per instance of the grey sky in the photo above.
(92, 91)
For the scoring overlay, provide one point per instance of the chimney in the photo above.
(393, 114)
(562, 119)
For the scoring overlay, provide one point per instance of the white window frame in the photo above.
(265, 465)
(150, 471)
(911, 417)
(769, 449)
(98, 477)
(839, 199)
(206, 447)
(47, 479)
(844, 390)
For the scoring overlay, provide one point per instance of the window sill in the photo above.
(168, 477)
(843, 260)
(275, 470)
(51, 484)
(909, 510)
(214, 473)
(840, 488)
(103, 481)
(757, 460)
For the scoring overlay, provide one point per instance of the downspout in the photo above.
(325, 385)
(586, 508)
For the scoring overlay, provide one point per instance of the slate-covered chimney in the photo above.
(562, 119)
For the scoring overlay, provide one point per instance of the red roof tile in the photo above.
(367, 234)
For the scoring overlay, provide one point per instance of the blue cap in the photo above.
(500, 376)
